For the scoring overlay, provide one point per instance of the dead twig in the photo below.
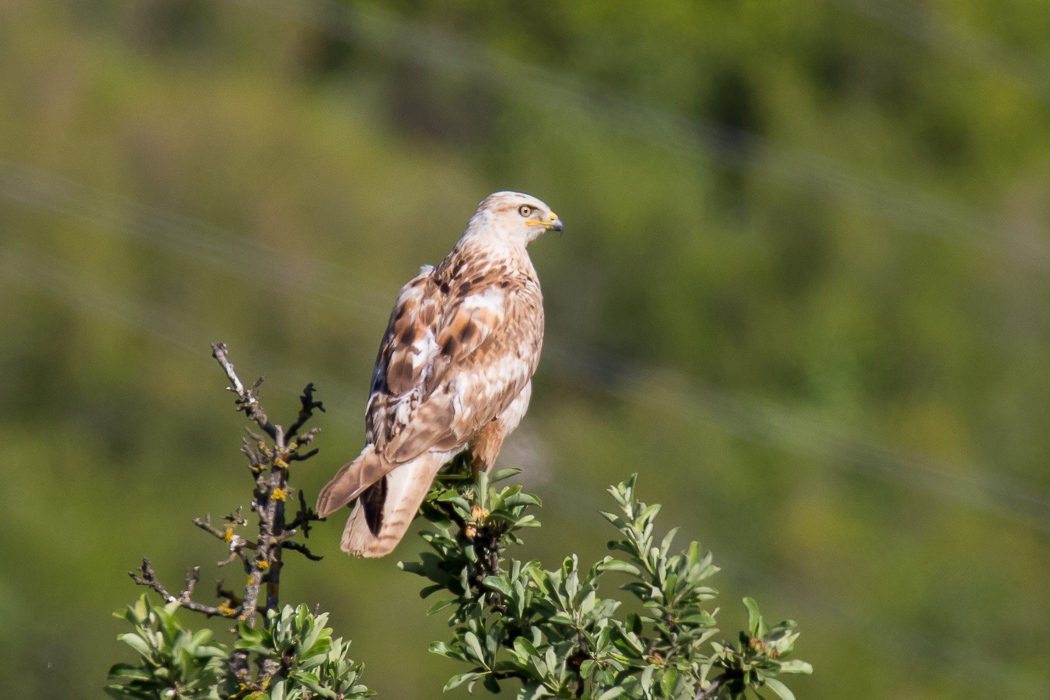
(711, 690)
(269, 456)
(146, 576)
(302, 549)
(246, 399)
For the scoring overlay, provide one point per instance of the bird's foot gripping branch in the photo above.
(553, 635)
(289, 654)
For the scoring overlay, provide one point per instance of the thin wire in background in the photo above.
(902, 205)
(753, 420)
(238, 256)
(44, 275)
(661, 388)
(794, 431)
(173, 333)
(956, 40)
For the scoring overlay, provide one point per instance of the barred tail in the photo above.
(351, 480)
(385, 509)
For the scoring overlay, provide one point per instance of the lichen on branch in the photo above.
(291, 655)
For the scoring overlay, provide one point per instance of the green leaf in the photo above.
(622, 567)
(795, 666)
(502, 474)
(780, 689)
(491, 684)
(693, 553)
(668, 539)
(128, 671)
(460, 679)
(550, 657)
(137, 643)
(539, 666)
(248, 633)
(532, 692)
(444, 650)
(475, 646)
(647, 679)
(524, 647)
(754, 617)
(588, 603)
(523, 499)
(498, 583)
(667, 682)
(440, 605)
(311, 661)
(669, 588)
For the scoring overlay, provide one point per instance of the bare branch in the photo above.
(711, 690)
(148, 578)
(296, 457)
(307, 410)
(302, 549)
(192, 577)
(303, 518)
(246, 399)
(268, 463)
(237, 543)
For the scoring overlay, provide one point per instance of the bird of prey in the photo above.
(454, 372)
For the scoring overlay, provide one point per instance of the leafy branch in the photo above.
(175, 662)
(291, 655)
(550, 631)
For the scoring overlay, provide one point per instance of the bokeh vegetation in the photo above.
(802, 290)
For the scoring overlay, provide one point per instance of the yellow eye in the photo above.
(525, 210)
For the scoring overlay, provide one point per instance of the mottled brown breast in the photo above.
(462, 341)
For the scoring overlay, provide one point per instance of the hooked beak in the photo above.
(555, 224)
(551, 224)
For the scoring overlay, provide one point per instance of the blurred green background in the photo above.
(802, 290)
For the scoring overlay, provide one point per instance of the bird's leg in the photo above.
(485, 447)
(477, 465)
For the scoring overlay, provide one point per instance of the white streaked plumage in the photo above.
(454, 371)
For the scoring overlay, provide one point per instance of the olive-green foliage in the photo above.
(293, 648)
(549, 629)
(172, 658)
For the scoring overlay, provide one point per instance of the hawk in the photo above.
(454, 372)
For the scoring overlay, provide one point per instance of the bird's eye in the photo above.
(525, 210)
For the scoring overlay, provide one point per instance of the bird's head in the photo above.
(514, 217)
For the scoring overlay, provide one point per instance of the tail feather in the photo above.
(384, 512)
(351, 479)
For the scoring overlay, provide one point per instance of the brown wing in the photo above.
(405, 357)
(451, 360)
